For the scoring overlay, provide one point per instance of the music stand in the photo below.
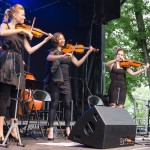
(32, 85)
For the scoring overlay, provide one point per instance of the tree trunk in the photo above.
(141, 30)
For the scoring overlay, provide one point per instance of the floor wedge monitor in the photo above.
(104, 127)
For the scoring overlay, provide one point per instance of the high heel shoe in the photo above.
(1, 141)
(67, 132)
(66, 135)
(50, 139)
(13, 138)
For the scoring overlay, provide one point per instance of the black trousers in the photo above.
(6, 92)
(56, 94)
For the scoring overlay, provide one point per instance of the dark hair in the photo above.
(9, 12)
(55, 38)
(120, 49)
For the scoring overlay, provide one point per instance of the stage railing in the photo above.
(141, 116)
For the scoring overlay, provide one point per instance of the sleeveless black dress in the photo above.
(117, 89)
(11, 62)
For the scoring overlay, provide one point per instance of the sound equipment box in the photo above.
(104, 127)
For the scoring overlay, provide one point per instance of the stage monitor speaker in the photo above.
(104, 127)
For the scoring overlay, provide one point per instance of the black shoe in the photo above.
(1, 141)
(50, 139)
(13, 138)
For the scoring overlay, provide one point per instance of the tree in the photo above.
(131, 32)
(139, 9)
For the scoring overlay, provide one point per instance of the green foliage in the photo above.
(138, 107)
(123, 32)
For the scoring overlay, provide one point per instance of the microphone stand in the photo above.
(14, 124)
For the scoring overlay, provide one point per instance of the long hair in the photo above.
(121, 49)
(9, 12)
(55, 38)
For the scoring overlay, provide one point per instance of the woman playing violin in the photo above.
(11, 63)
(117, 88)
(57, 78)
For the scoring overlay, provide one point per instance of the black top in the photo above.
(58, 71)
(118, 77)
(11, 62)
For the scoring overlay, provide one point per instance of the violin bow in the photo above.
(38, 30)
(33, 24)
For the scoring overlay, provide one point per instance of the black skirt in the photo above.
(12, 69)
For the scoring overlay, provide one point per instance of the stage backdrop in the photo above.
(81, 22)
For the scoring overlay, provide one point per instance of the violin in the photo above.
(79, 48)
(131, 63)
(35, 31)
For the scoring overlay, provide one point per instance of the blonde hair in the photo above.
(9, 12)
(55, 38)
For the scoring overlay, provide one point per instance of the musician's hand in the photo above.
(119, 59)
(122, 58)
(91, 49)
(67, 55)
(147, 66)
(48, 38)
(27, 33)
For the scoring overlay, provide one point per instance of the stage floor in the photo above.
(62, 144)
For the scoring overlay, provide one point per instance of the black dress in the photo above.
(11, 62)
(117, 89)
